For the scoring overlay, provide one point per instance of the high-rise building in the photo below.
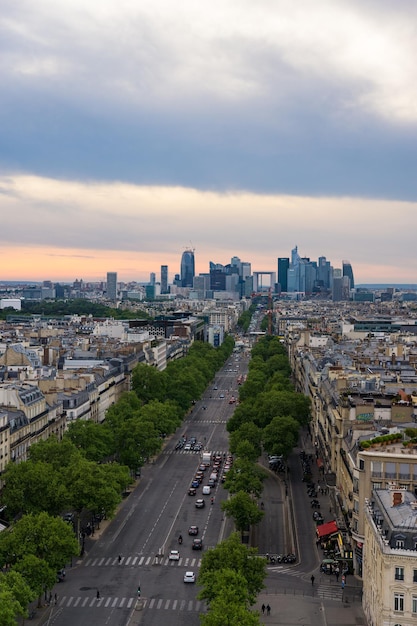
(164, 279)
(112, 285)
(347, 271)
(283, 265)
(187, 268)
(152, 278)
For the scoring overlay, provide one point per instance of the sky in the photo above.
(131, 130)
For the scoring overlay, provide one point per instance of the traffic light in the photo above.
(139, 591)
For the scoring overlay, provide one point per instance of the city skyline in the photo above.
(235, 129)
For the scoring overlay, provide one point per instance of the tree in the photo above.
(59, 454)
(164, 415)
(225, 612)
(44, 536)
(90, 487)
(248, 431)
(243, 510)
(232, 555)
(254, 384)
(245, 476)
(32, 487)
(229, 600)
(281, 435)
(148, 383)
(15, 595)
(93, 439)
(37, 573)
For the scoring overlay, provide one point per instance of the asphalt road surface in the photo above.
(102, 588)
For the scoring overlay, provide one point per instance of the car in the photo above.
(195, 483)
(187, 447)
(189, 577)
(221, 395)
(174, 555)
(192, 491)
(206, 490)
(193, 530)
(197, 544)
(211, 482)
(215, 387)
(200, 503)
(202, 467)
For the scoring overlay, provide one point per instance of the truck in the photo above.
(206, 458)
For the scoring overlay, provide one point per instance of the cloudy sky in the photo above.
(133, 129)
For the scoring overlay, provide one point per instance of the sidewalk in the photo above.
(304, 610)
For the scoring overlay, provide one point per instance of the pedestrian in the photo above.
(120, 557)
(55, 598)
(268, 609)
(263, 608)
(312, 579)
(98, 594)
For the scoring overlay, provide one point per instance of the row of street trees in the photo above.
(268, 418)
(87, 472)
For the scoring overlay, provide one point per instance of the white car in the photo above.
(174, 555)
(189, 577)
(206, 490)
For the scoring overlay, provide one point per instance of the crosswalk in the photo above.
(288, 571)
(124, 602)
(141, 561)
(330, 592)
(199, 452)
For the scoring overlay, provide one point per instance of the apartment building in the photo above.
(390, 558)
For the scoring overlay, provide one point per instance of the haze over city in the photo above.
(131, 131)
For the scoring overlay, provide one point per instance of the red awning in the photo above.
(327, 529)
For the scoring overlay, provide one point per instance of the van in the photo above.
(213, 476)
(206, 490)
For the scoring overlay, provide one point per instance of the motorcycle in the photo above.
(180, 539)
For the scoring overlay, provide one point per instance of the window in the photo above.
(414, 575)
(399, 573)
(414, 604)
(399, 543)
(390, 470)
(398, 602)
(361, 464)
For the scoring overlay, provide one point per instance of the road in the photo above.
(102, 588)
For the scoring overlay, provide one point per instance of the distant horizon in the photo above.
(376, 286)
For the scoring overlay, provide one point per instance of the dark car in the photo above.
(197, 544)
(192, 491)
(193, 530)
(195, 483)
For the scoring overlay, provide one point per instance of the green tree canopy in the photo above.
(94, 440)
(48, 538)
(232, 555)
(281, 435)
(245, 476)
(244, 511)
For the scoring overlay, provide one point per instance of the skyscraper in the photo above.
(187, 268)
(347, 271)
(164, 278)
(112, 285)
(283, 265)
